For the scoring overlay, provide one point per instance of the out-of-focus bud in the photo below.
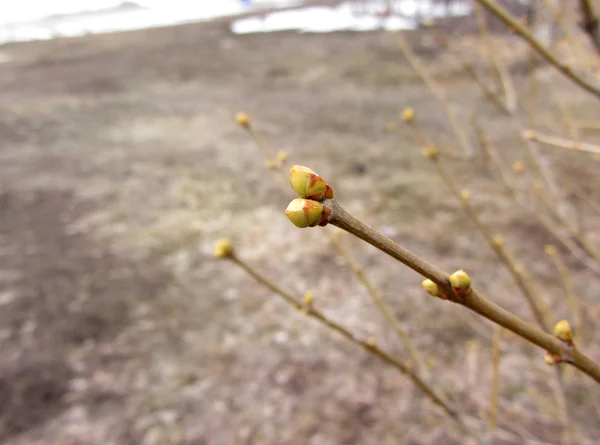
(308, 298)
(465, 195)
(270, 165)
(307, 213)
(407, 115)
(391, 126)
(550, 249)
(432, 153)
(242, 119)
(460, 282)
(498, 240)
(307, 184)
(528, 134)
(563, 332)
(223, 248)
(431, 288)
(282, 157)
(549, 359)
(518, 167)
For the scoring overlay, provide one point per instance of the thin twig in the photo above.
(590, 22)
(544, 52)
(367, 345)
(555, 141)
(383, 307)
(439, 93)
(500, 70)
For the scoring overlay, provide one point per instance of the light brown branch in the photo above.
(590, 22)
(544, 52)
(474, 300)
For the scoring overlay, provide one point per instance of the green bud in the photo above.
(307, 184)
(431, 288)
(307, 213)
(460, 282)
(562, 330)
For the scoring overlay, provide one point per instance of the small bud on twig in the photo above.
(528, 134)
(243, 119)
(307, 213)
(498, 240)
(518, 167)
(407, 115)
(550, 250)
(282, 157)
(563, 332)
(308, 299)
(431, 288)
(307, 184)
(550, 359)
(270, 165)
(432, 153)
(223, 248)
(461, 283)
(465, 195)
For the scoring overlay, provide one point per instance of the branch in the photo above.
(541, 49)
(590, 22)
(473, 300)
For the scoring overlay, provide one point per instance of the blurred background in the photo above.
(121, 164)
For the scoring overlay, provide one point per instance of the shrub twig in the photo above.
(544, 52)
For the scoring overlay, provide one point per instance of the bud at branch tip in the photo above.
(223, 248)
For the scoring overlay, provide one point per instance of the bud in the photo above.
(390, 126)
(307, 213)
(308, 299)
(562, 330)
(549, 359)
(223, 248)
(282, 157)
(460, 282)
(270, 164)
(518, 167)
(538, 186)
(407, 115)
(528, 134)
(432, 153)
(431, 288)
(498, 240)
(550, 249)
(465, 195)
(371, 342)
(243, 119)
(307, 184)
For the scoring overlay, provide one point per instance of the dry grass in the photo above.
(121, 164)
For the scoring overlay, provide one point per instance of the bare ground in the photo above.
(121, 164)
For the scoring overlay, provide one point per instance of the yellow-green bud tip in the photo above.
(432, 153)
(242, 119)
(460, 281)
(307, 184)
(431, 288)
(518, 167)
(307, 213)
(282, 157)
(550, 249)
(528, 134)
(223, 248)
(308, 298)
(407, 115)
(465, 194)
(562, 330)
(549, 359)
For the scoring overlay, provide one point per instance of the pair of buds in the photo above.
(308, 210)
